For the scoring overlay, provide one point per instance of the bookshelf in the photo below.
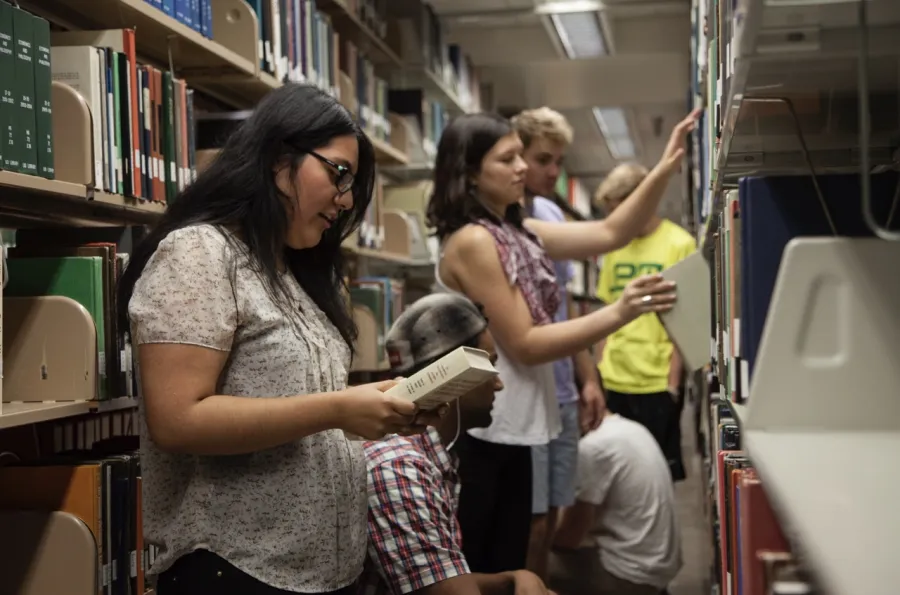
(118, 166)
(793, 194)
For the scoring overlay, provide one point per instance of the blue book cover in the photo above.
(774, 210)
(195, 16)
(180, 6)
(206, 18)
(168, 7)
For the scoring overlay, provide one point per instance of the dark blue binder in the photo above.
(774, 210)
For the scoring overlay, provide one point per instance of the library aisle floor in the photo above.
(694, 527)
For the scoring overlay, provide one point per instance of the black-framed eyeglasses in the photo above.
(343, 178)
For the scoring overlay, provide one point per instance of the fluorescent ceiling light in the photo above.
(564, 6)
(614, 126)
(580, 34)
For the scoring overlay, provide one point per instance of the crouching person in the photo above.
(621, 536)
(415, 543)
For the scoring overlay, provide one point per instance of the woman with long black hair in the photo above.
(244, 339)
(494, 255)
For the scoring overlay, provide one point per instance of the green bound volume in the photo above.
(43, 111)
(9, 158)
(77, 277)
(24, 123)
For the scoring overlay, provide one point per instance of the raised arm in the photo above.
(578, 240)
(472, 259)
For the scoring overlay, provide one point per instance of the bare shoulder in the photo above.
(469, 241)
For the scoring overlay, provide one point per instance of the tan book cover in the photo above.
(688, 322)
(447, 379)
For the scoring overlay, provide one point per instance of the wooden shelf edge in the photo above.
(73, 198)
(349, 24)
(22, 413)
(383, 256)
(128, 203)
(188, 34)
(385, 153)
(16, 181)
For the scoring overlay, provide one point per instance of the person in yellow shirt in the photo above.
(642, 371)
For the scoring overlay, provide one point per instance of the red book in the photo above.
(760, 531)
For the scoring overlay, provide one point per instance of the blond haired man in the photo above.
(642, 371)
(546, 135)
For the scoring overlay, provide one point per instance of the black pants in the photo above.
(659, 413)
(204, 573)
(495, 504)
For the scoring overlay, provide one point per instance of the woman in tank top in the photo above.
(494, 255)
(250, 486)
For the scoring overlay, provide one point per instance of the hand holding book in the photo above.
(447, 379)
(368, 412)
(408, 405)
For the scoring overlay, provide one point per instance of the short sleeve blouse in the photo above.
(294, 516)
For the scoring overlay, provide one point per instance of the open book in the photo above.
(447, 379)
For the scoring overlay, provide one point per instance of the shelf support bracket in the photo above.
(865, 121)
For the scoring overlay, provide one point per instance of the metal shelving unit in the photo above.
(809, 88)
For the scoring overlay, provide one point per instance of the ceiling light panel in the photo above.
(613, 124)
(564, 6)
(580, 34)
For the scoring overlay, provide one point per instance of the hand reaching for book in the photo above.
(649, 293)
(677, 145)
(367, 412)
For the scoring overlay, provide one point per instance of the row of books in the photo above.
(417, 36)
(430, 116)
(60, 317)
(299, 42)
(93, 472)
(372, 13)
(196, 14)
(376, 303)
(758, 221)
(752, 554)
(142, 117)
(26, 115)
(59, 307)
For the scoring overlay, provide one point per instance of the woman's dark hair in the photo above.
(454, 201)
(237, 192)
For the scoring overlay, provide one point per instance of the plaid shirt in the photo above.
(414, 535)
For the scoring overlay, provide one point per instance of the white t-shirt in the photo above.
(622, 471)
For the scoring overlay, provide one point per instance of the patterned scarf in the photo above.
(526, 265)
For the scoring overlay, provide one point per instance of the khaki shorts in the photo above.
(579, 572)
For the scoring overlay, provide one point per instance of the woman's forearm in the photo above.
(548, 343)
(227, 425)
